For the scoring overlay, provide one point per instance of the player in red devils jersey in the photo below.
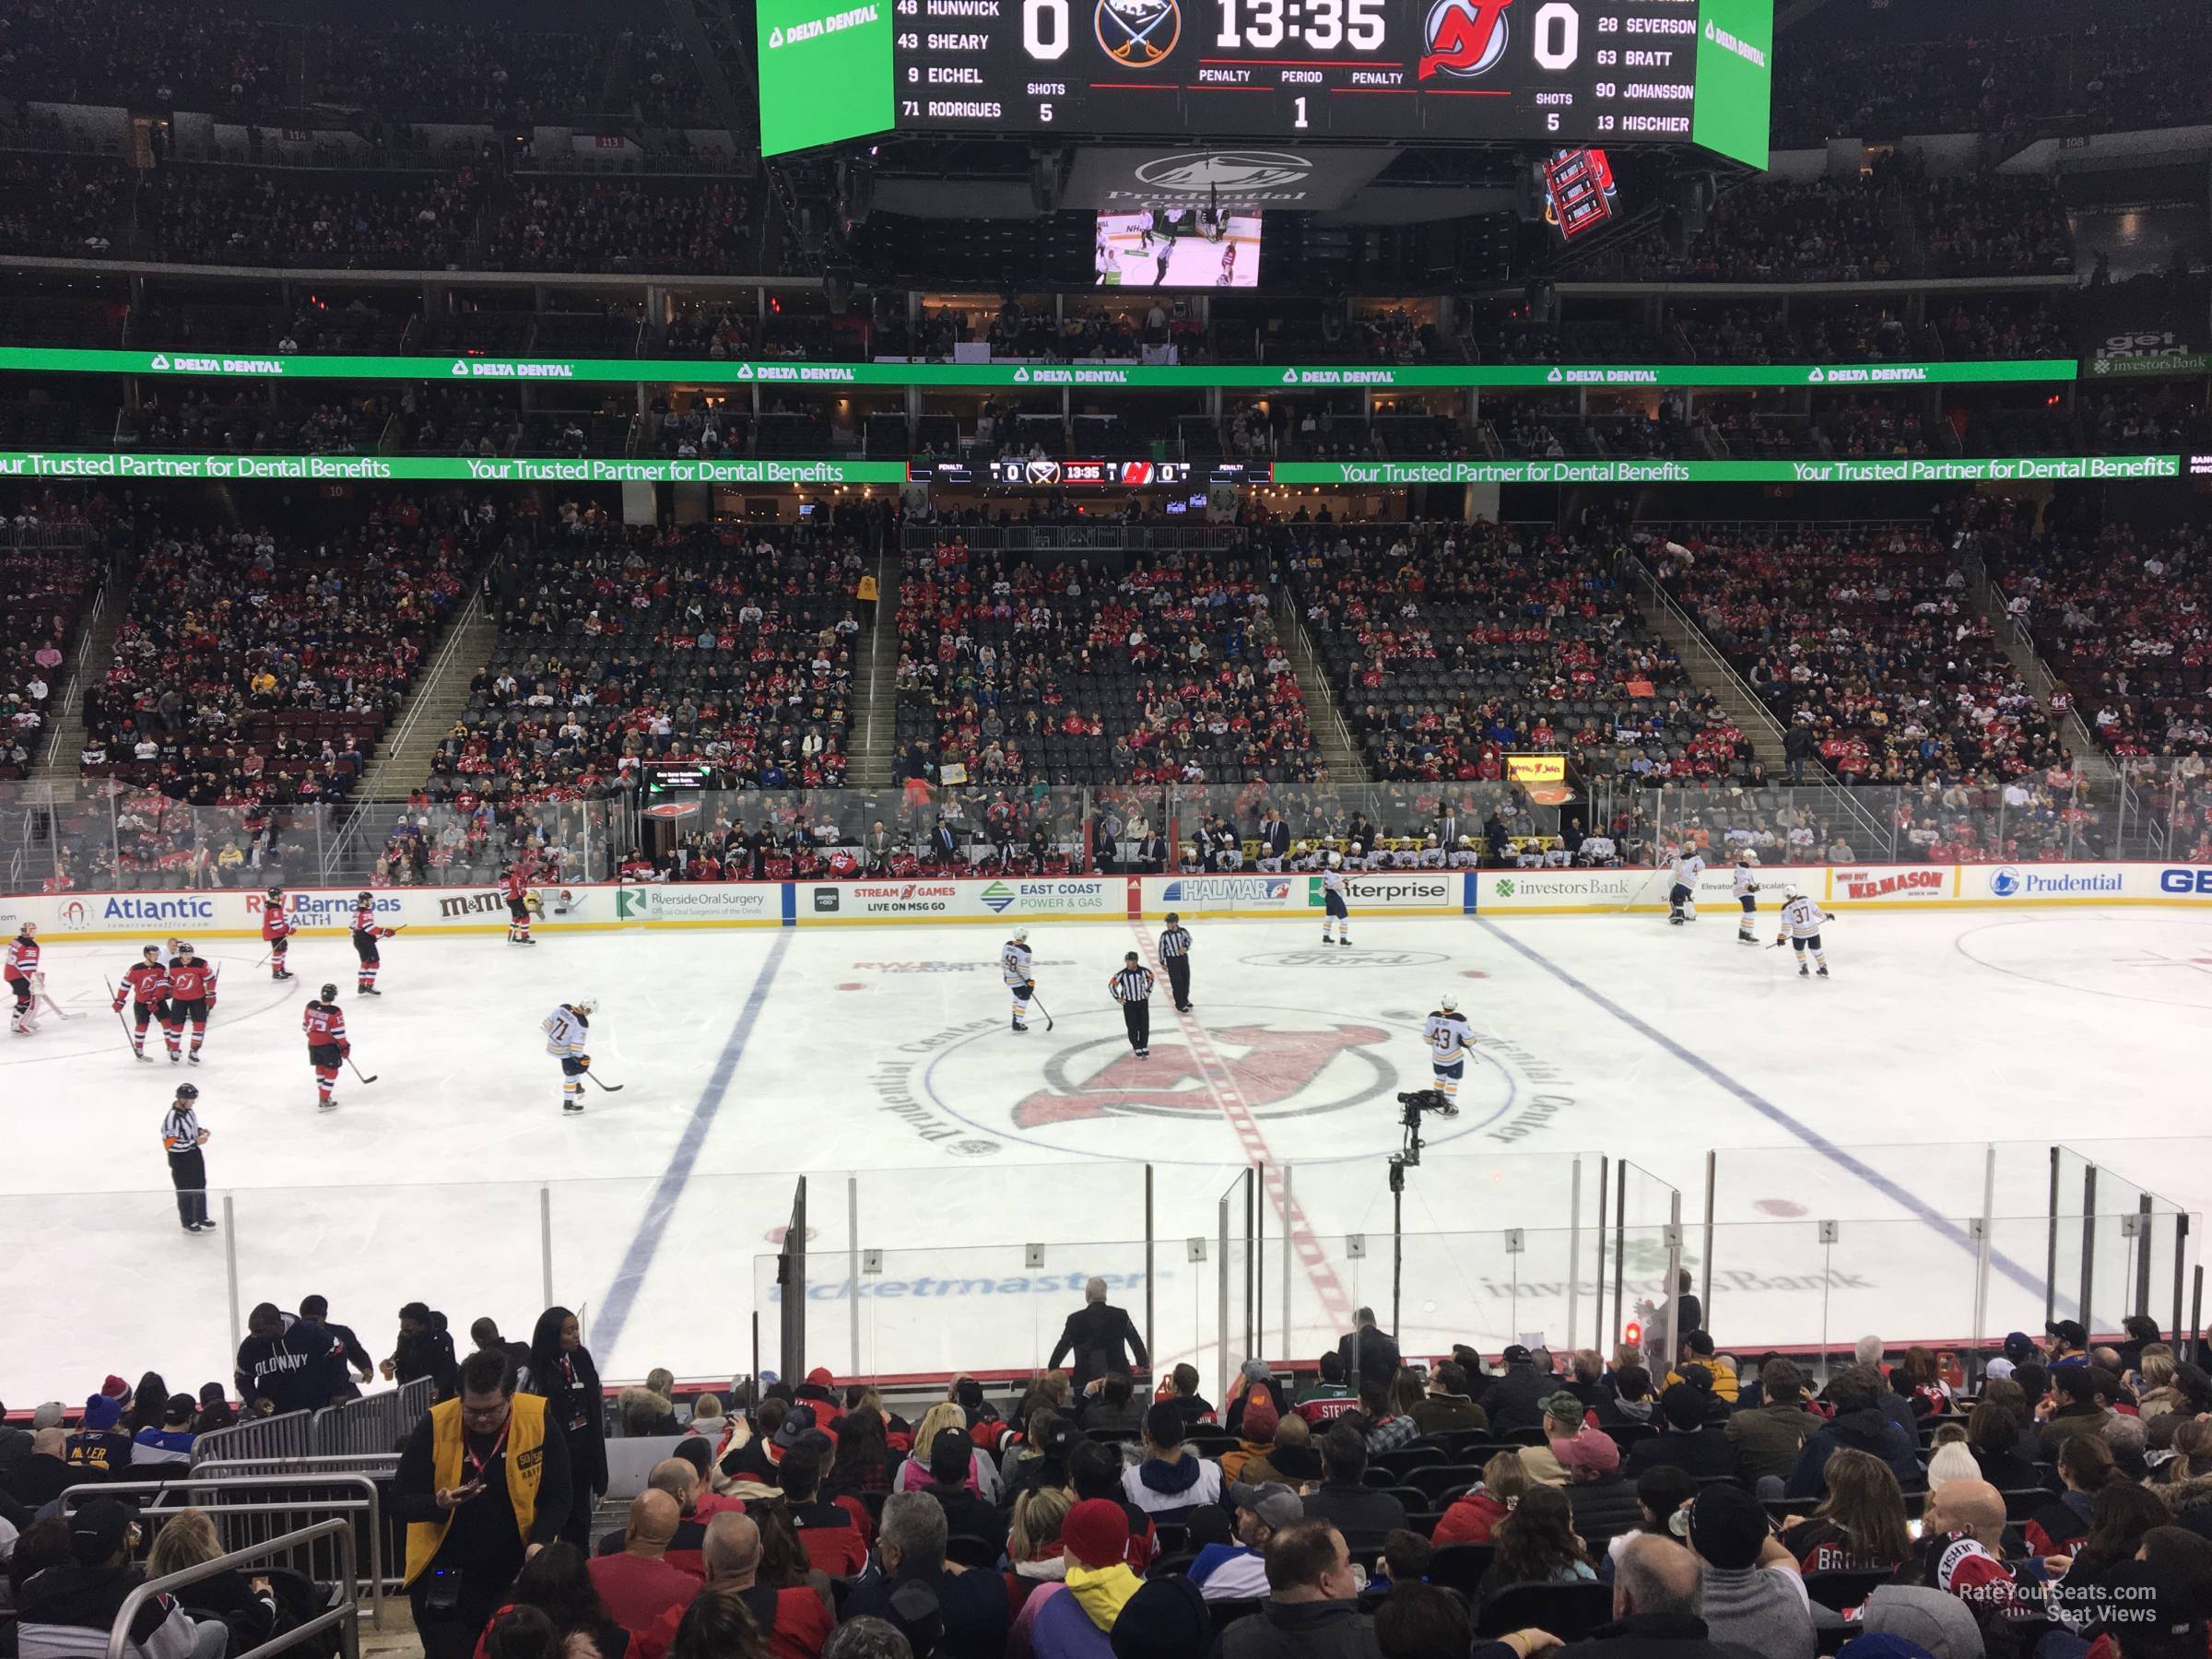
(23, 976)
(326, 1043)
(277, 931)
(515, 881)
(146, 983)
(365, 933)
(191, 997)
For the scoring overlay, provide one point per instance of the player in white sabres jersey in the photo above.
(1801, 920)
(1016, 966)
(1744, 882)
(1683, 869)
(1449, 1038)
(1332, 902)
(566, 1028)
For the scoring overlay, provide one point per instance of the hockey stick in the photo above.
(357, 1072)
(1042, 1010)
(610, 1087)
(55, 1009)
(129, 1041)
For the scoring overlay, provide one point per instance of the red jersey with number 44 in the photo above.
(323, 1022)
(191, 978)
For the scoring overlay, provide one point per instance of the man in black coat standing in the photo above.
(1101, 1337)
(1369, 1352)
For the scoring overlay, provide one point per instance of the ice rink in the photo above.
(877, 1061)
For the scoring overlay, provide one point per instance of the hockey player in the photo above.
(191, 997)
(1683, 867)
(1801, 920)
(1449, 1037)
(515, 881)
(145, 984)
(276, 931)
(1016, 966)
(327, 1046)
(365, 933)
(566, 1028)
(24, 978)
(1332, 902)
(1132, 987)
(1744, 882)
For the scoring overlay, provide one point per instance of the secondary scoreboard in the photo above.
(1552, 72)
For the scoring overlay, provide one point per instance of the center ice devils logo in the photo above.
(1274, 1068)
(1463, 37)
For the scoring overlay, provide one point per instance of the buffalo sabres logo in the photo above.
(1137, 35)
(1463, 37)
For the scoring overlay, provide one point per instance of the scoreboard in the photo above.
(1552, 72)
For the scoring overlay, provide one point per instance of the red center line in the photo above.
(1221, 1083)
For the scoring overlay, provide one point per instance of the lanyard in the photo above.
(479, 1466)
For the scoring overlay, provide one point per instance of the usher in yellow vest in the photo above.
(524, 1463)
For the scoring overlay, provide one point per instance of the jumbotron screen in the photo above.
(1560, 73)
(1177, 248)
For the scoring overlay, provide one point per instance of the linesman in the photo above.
(1175, 954)
(182, 1138)
(1132, 987)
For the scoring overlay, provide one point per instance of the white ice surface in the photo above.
(748, 1057)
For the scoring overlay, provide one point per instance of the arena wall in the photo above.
(1009, 900)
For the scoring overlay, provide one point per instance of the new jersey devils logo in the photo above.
(1271, 1069)
(1463, 37)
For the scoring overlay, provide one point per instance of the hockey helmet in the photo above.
(1448, 1003)
(330, 993)
(1793, 892)
(1336, 859)
(275, 892)
(364, 897)
(188, 1091)
(27, 929)
(1020, 935)
(585, 1005)
(1355, 849)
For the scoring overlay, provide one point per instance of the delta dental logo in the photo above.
(1464, 39)
(836, 22)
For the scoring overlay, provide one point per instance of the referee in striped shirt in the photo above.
(1132, 987)
(182, 1138)
(1175, 952)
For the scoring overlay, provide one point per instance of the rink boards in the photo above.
(1011, 900)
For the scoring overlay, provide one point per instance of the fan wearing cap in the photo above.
(1753, 1592)
(70, 1607)
(967, 1515)
(1573, 1449)
(171, 1441)
(2020, 1348)
(100, 1450)
(1239, 1571)
(2069, 1343)
(1073, 1618)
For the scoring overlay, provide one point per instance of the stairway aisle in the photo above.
(876, 742)
(403, 758)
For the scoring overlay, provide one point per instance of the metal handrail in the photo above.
(1843, 806)
(68, 701)
(369, 1504)
(345, 1618)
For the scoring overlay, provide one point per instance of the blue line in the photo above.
(1768, 1110)
(614, 1313)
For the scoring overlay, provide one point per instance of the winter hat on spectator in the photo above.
(1257, 1370)
(49, 1416)
(1260, 1417)
(1727, 1526)
(1884, 1645)
(1096, 1533)
(98, 1529)
(102, 1411)
(1684, 1406)
(1167, 1619)
(115, 1388)
(1562, 1408)
(2019, 1345)
(1515, 1355)
(1923, 1620)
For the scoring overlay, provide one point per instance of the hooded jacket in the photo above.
(1328, 1630)
(66, 1611)
(1167, 1490)
(1867, 1430)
